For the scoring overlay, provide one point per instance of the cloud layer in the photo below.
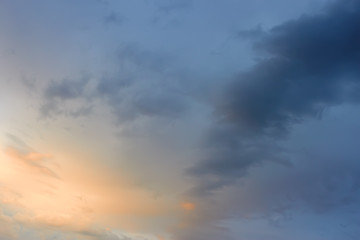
(308, 65)
(165, 120)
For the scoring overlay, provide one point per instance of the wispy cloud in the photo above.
(31, 161)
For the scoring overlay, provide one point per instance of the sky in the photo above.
(179, 119)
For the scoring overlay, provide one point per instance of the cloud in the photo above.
(7, 230)
(18, 143)
(66, 89)
(308, 64)
(32, 161)
(311, 60)
(202, 232)
(252, 34)
(295, 78)
(173, 5)
(66, 97)
(143, 85)
(82, 228)
(114, 18)
(80, 205)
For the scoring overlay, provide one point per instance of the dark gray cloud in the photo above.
(228, 157)
(321, 184)
(66, 89)
(251, 34)
(307, 65)
(143, 85)
(59, 98)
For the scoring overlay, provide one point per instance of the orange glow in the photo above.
(34, 156)
(77, 195)
(33, 162)
(188, 206)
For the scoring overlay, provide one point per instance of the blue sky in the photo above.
(179, 119)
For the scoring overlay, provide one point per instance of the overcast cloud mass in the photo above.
(179, 120)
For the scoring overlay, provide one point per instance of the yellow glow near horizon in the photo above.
(75, 196)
